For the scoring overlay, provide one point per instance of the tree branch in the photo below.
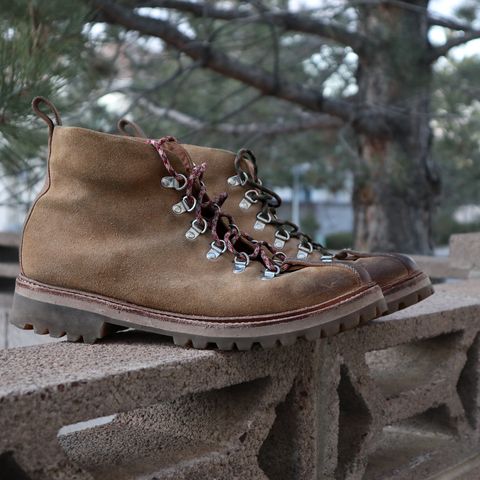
(453, 42)
(436, 21)
(221, 63)
(286, 20)
(280, 127)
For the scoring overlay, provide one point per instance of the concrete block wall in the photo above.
(396, 399)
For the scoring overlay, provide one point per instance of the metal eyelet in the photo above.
(249, 199)
(195, 230)
(279, 258)
(238, 180)
(233, 226)
(262, 221)
(304, 250)
(172, 182)
(215, 251)
(326, 258)
(269, 274)
(281, 237)
(240, 265)
(182, 206)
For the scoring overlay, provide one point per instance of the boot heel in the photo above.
(58, 321)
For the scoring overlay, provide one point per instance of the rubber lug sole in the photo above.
(87, 326)
(408, 293)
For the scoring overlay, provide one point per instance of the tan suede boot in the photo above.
(125, 235)
(254, 208)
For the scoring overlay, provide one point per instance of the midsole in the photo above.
(152, 319)
(406, 287)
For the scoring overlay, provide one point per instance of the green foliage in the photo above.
(457, 128)
(337, 241)
(40, 44)
(45, 49)
(468, 11)
(445, 226)
(309, 224)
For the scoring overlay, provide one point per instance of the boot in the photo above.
(124, 235)
(254, 207)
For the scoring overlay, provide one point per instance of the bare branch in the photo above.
(453, 42)
(436, 21)
(221, 63)
(286, 20)
(280, 127)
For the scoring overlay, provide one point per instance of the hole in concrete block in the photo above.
(468, 383)
(417, 447)
(415, 365)
(7, 285)
(8, 254)
(277, 454)
(9, 469)
(354, 423)
(173, 434)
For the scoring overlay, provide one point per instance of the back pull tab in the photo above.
(37, 103)
(130, 129)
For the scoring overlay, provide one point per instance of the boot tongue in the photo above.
(182, 154)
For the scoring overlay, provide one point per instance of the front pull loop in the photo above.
(130, 128)
(51, 123)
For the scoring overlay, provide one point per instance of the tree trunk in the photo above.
(396, 183)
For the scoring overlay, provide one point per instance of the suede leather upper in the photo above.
(104, 224)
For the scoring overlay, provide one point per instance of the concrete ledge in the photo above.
(396, 399)
(463, 261)
(441, 267)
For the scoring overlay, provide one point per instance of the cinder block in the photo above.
(465, 250)
(398, 398)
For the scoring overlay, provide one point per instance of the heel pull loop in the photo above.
(126, 127)
(36, 103)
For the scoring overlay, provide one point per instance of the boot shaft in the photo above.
(99, 188)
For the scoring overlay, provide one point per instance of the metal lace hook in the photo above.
(269, 274)
(262, 220)
(178, 182)
(182, 206)
(240, 265)
(304, 250)
(215, 250)
(195, 230)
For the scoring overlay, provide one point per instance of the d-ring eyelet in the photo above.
(279, 258)
(304, 250)
(215, 250)
(178, 182)
(269, 274)
(240, 262)
(262, 221)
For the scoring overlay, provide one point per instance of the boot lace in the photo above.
(208, 215)
(270, 202)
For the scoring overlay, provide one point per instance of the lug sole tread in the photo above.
(90, 331)
(409, 300)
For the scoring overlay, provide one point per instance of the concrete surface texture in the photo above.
(396, 399)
